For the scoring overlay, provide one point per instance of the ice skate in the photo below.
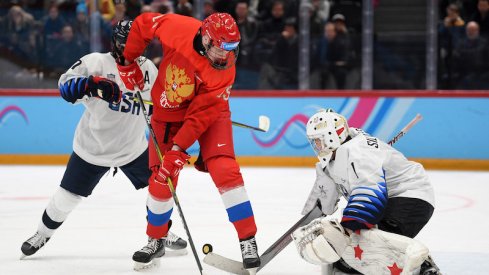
(177, 245)
(33, 244)
(429, 267)
(148, 256)
(249, 251)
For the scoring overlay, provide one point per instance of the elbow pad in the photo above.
(365, 206)
(73, 89)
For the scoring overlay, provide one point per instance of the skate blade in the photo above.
(155, 263)
(175, 253)
(252, 271)
(22, 256)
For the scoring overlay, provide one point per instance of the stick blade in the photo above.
(225, 264)
(264, 123)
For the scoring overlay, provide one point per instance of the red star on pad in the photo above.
(358, 252)
(395, 270)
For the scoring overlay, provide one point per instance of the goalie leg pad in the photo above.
(373, 251)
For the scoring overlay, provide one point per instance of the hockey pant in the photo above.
(221, 165)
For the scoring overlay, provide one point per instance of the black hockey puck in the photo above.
(206, 249)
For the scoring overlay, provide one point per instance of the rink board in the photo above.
(454, 126)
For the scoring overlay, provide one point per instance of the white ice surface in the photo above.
(100, 236)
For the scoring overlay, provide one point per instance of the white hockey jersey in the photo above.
(364, 159)
(110, 135)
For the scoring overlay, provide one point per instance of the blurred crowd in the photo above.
(48, 36)
(463, 43)
(45, 37)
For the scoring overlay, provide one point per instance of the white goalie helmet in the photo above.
(326, 131)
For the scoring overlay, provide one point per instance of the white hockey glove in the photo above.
(325, 191)
(321, 241)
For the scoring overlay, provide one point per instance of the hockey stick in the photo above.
(236, 267)
(170, 183)
(406, 128)
(263, 121)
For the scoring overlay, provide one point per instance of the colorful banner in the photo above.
(452, 128)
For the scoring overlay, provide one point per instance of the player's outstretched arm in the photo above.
(92, 86)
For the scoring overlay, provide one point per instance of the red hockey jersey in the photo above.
(187, 88)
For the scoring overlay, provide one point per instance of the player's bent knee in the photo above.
(158, 190)
(224, 171)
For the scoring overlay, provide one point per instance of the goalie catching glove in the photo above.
(321, 241)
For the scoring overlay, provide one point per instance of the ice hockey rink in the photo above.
(100, 236)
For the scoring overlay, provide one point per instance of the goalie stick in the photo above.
(263, 121)
(236, 267)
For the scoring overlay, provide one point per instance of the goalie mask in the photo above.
(119, 38)
(326, 131)
(220, 38)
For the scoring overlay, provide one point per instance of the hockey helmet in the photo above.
(220, 38)
(326, 131)
(119, 38)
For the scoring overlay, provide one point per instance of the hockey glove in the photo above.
(103, 88)
(172, 164)
(132, 76)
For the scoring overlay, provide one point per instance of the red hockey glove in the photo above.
(103, 88)
(132, 76)
(172, 164)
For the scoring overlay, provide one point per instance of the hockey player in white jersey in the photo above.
(389, 200)
(110, 133)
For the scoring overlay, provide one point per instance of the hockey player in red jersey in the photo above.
(190, 99)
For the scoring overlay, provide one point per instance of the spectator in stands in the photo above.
(247, 70)
(248, 29)
(282, 69)
(208, 8)
(333, 52)
(321, 8)
(81, 27)
(66, 51)
(481, 17)
(119, 15)
(147, 8)
(19, 36)
(53, 23)
(451, 31)
(453, 18)
(471, 58)
(339, 21)
(265, 8)
(270, 31)
(183, 7)
(163, 6)
(133, 8)
(226, 6)
(318, 17)
(106, 9)
(341, 54)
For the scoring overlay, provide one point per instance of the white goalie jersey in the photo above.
(366, 161)
(110, 135)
